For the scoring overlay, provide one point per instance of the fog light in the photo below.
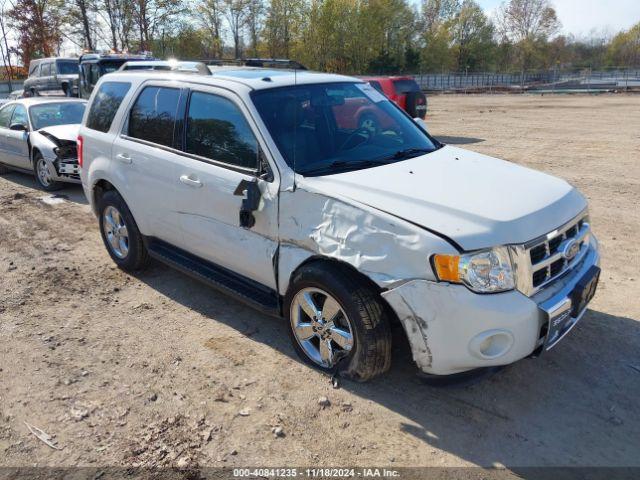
(491, 344)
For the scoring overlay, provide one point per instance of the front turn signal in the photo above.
(447, 267)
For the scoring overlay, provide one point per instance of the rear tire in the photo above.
(42, 174)
(361, 313)
(120, 233)
(4, 170)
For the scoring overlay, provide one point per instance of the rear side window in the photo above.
(5, 115)
(105, 105)
(67, 68)
(406, 86)
(153, 116)
(217, 129)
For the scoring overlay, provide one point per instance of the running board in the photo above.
(238, 286)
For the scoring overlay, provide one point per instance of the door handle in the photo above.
(190, 181)
(124, 158)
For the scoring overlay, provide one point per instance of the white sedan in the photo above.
(38, 136)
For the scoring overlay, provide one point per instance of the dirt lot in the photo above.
(160, 370)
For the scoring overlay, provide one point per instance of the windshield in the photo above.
(335, 127)
(143, 66)
(67, 68)
(110, 66)
(51, 114)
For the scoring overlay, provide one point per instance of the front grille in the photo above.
(544, 260)
(548, 259)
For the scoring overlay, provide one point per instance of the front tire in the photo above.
(42, 174)
(120, 233)
(337, 322)
(4, 170)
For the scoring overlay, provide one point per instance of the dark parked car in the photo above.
(52, 76)
(95, 65)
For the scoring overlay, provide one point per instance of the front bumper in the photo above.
(64, 170)
(451, 329)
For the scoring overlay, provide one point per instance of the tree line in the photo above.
(347, 36)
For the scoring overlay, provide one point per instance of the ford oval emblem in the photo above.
(570, 250)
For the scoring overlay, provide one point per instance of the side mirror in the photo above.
(250, 203)
(19, 127)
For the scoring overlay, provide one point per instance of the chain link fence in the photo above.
(578, 80)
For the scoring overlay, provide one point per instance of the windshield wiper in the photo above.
(409, 153)
(345, 165)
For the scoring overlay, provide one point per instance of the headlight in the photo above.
(66, 151)
(486, 271)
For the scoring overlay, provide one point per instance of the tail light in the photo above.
(80, 152)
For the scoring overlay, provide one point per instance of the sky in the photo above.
(581, 17)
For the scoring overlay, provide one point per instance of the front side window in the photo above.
(45, 70)
(216, 129)
(94, 74)
(5, 115)
(153, 116)
(330, 128)
(52, 114)
(67, 67)
(20, 116)
(33, 69)
(105, 105)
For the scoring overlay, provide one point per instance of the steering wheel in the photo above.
(352, 135)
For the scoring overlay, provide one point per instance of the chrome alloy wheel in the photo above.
(321, 327)
(43, 172)
(116, 231)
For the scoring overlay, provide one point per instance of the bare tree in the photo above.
(528, 24)
(152, 17)
(524, 20)
(210, 13)
(236, 12)
(80, 24)
(255, 17)
(6, 53)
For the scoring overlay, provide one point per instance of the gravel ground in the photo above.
(158, 370)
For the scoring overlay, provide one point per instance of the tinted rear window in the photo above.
(105, 105)
(406, 86)
(153, 116)
(67, 67)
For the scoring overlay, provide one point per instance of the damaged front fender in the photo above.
(386, 249)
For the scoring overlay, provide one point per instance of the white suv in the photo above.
(270, 186)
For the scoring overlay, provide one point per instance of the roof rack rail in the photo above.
(256, 62)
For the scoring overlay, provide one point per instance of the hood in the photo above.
(475, 200)
(61, 132)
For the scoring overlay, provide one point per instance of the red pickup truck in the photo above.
(404, 91)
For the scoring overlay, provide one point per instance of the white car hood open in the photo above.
(475, 200)
(62, 132)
